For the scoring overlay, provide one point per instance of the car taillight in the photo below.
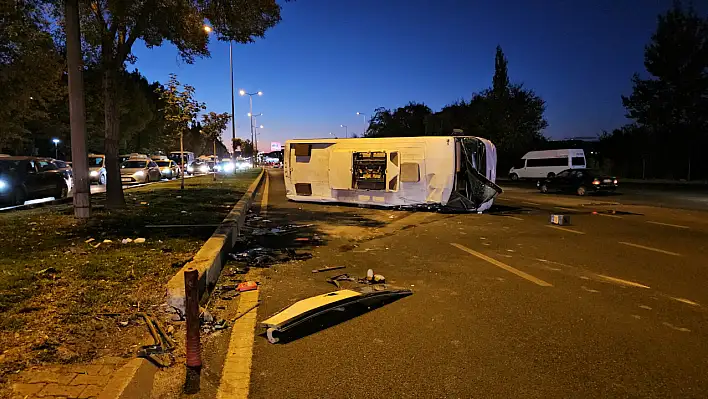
(615, 182)
(596, 182)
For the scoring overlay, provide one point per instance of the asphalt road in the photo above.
(504, 304)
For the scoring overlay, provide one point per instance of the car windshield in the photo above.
(95, 162)
(133, 164)
(163, 163)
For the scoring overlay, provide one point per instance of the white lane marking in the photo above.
(684, 300)
(503, 266)
(682, 329)
(678, 226)
(236, 373)
(661, 251)
(608, 216)
(621, 281)
(515, 218)
(530, 203)
(564, 229)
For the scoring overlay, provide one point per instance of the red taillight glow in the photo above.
(596, 182)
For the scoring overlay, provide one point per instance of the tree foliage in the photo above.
(669, 105)
(31, 71)
(507, 113)
(180, 108)
(213, 125)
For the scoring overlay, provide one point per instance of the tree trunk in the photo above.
(77, 112)
(114, 187)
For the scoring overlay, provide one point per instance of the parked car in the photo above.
(168, 168)
(26, 178)
(579, 181)
(64, 169)
(139, 171)
(97, 168)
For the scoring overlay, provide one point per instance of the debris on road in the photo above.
(240, 315)
(264, 257)
(247, 286)
(280, 230)
(107, 241)
(160, 353)
(341, 277)
(139, 240)
(328, 268)
(126, 241)
(560, 220)
(49, 270)
(307, 309)
(90, 240)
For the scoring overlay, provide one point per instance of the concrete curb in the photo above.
(211, 257)
(132, 381)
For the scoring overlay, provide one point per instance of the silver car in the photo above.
(139, 171)
(97, 168)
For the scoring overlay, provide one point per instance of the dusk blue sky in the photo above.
(328, 59)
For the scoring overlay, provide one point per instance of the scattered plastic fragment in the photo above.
(107, 241)
(126, 241)
(328, 268)
(139, 240)
(247, 286)
(90, 240)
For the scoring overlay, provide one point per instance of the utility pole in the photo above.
(233, 118)
(77, 111)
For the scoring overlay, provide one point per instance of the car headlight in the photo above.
(139, 173)
(203, 168)
(166, 170)
(93, 173)
(3, 185)
(190, 169)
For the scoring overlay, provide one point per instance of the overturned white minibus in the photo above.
(455, 172)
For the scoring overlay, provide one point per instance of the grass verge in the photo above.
(63, 300)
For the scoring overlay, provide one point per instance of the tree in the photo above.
(111, 28)
(246, 147)
(213, 125)
(671, 103)
(180, 110)
(31, 71)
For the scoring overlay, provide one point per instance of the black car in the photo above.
(579, 181)
(26, 178)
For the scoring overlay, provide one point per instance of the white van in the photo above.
(540, 164)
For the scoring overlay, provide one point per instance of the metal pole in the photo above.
(181, 155)
(77, 111)
(193, 344)
(250, 103)
(233, 118)
(56, 151)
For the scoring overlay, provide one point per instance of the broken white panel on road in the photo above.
(451, 171)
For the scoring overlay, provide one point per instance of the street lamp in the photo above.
(208, 29)
(366, 118)
(346, 131)
(56, 148)
(243, 92)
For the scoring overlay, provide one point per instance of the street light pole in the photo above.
(208, 29)
(346, 131)
(250, 114)
(56, 148)
(366, 118)
(233, 107)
